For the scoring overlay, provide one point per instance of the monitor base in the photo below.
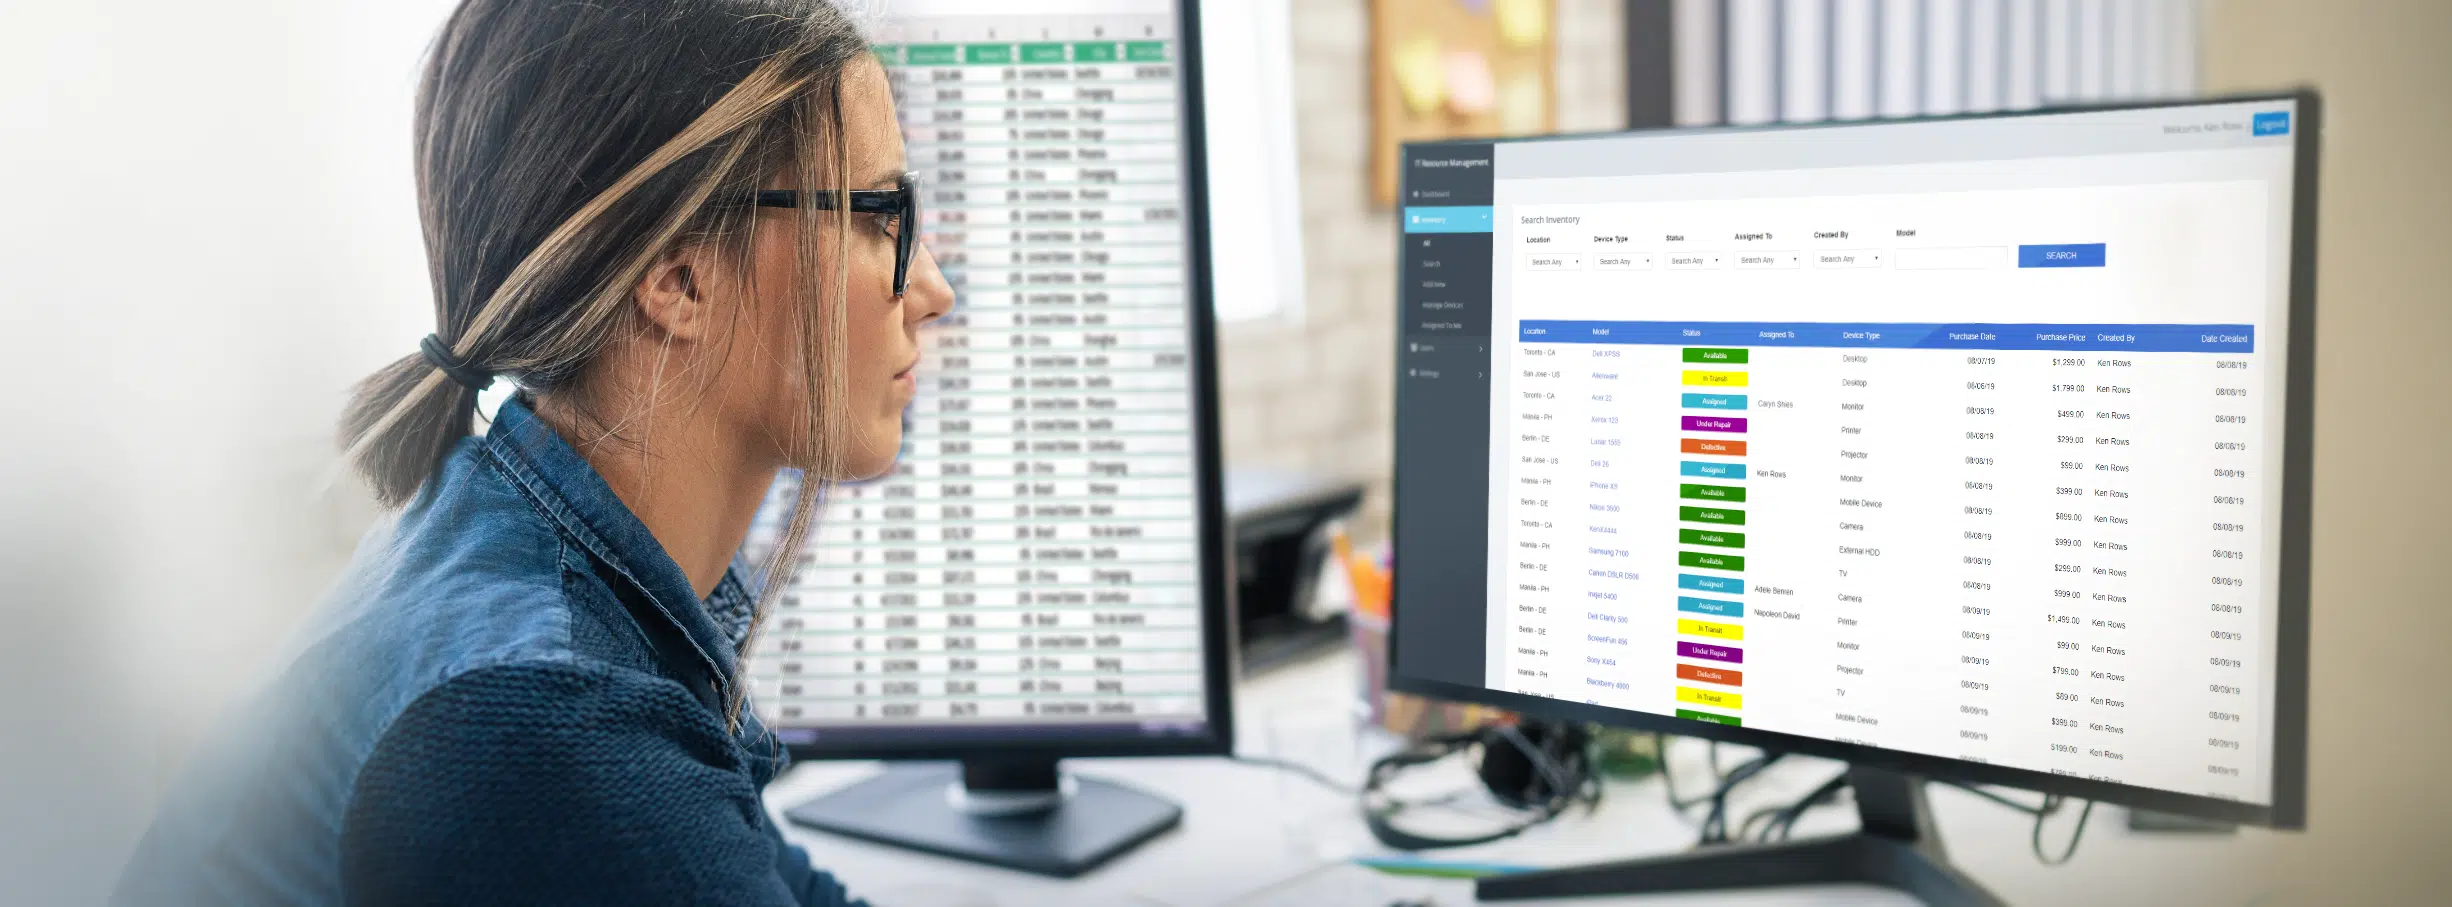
(1896, 848)
(1019, 815)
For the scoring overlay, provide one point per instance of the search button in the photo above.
(2063, 255)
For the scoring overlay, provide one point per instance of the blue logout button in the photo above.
(2061, 255)
(2273, 123)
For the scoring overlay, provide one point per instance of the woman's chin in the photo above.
(875, 457)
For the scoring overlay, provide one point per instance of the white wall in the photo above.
(2382, 593)
(207, 231)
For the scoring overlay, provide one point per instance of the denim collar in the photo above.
(579, 501)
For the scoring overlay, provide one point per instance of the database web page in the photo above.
(1961, 438)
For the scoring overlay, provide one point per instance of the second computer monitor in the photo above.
(1975, 447)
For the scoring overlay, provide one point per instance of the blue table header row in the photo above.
(2134, 338)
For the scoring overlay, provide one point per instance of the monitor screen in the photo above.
(1958, 438)
(1033, 567)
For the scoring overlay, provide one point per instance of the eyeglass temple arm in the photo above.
(864, 201)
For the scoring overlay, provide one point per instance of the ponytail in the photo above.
(400, 424)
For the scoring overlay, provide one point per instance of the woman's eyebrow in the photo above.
(887, 180)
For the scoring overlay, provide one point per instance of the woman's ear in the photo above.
(673, 293)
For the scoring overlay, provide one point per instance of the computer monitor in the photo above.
(1972, 447)
(1043, 575)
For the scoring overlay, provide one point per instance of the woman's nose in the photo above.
(927, 296)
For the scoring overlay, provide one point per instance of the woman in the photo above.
(682, 227)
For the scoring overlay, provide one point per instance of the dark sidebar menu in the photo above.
(1443, 361)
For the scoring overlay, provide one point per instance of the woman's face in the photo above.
(882, 329)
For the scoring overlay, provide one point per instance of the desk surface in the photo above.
(1247, 827)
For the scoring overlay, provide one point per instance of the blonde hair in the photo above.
(563, 146)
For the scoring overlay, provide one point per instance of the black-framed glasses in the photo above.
(902, 202)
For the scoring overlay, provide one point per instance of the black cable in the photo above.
(2050, 803)
(1550, 770)
(1288, 765)
(1768, 815)
(2074, 835)
(1715, 823)
(1781, 821)
(1778, 820)
(1784, 822)
(1567, 784)
(1668, 779)
(1721, 779)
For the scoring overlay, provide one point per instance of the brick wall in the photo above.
(1314, 390)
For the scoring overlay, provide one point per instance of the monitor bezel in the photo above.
(1215, 736)
(2288, 806)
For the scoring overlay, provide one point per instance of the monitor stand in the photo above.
(1896, 847)
(1016, 813)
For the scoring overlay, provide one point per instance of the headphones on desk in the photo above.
(1540, 768)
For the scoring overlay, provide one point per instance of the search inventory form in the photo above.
(1964, 443)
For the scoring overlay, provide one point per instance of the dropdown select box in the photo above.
(1756, 261)
(1848, 258)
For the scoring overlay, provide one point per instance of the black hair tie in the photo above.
(439, 356)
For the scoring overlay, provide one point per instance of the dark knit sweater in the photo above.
(514, 698)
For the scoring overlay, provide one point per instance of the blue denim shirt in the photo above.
(514, 696)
